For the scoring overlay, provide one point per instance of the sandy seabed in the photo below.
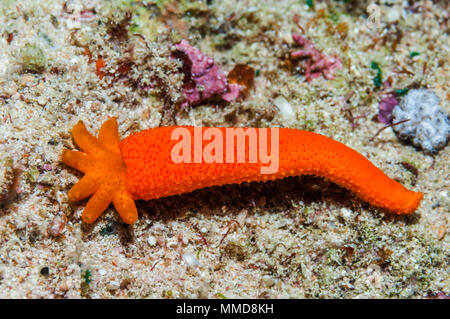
(300, 237)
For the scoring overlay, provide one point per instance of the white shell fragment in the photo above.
(428, 126)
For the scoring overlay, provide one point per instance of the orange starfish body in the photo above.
(142, 166)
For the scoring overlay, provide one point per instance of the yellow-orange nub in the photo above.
(105, 173)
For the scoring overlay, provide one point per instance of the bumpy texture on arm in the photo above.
(151, 173)
(141, 167)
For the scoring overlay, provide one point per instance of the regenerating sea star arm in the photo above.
(141, 167)
(105, 172)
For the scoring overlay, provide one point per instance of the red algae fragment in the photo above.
(387, 104)
(316, 63)
(10, 37)
(87, 15)
(203, 78)
(99, 65)
(233, 92)
(243, 75)
(88, 53)
(57, 225)
(9, 181)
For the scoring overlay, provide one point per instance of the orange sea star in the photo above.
(141, 166)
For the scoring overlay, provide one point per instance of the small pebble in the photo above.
(42, 100)
(285, 108)
(57, 225)
(8, 189)
(151, 241)
(113, 285)
(442, 230)
(45, 271)
(125, 283)
(346, 213)
(172, 242)
(190, 260)
(268, 281)
(393, 14)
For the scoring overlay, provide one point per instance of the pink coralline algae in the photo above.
(387, 104)
(202, 77)
(316, 63)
